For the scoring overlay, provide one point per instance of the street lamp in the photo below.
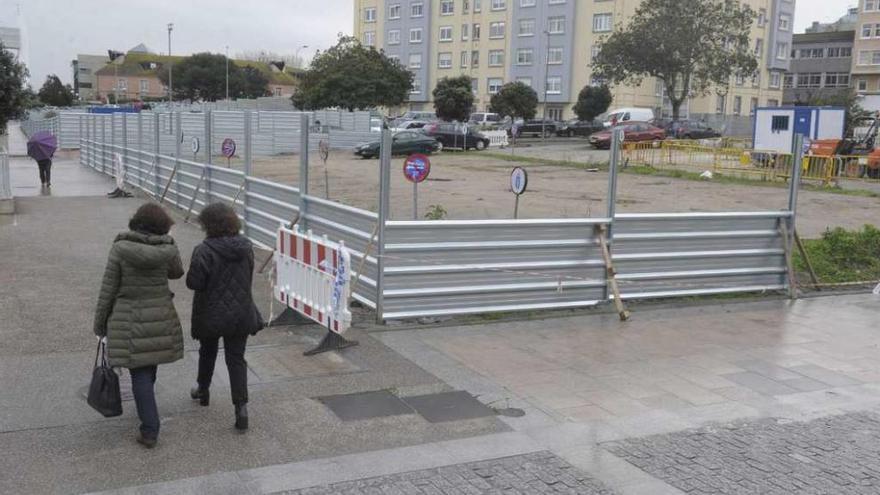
(546, 77)
(227, 73)
(296, 56)
(113, 55)
(170, 64)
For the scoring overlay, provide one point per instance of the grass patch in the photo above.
(540, 161)
(842, 255)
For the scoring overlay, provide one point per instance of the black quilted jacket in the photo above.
(220, 273)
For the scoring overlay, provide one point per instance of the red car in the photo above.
(632, 132)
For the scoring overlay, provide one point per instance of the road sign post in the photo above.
(195, 147)
(416, 169)
(519, 181)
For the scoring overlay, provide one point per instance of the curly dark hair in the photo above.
(151, 218)
(219, 220)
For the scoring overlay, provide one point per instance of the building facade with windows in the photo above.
(85, 69)
(549, 45)
(821, 64)
(866, 54)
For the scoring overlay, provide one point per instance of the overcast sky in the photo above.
(57, 30)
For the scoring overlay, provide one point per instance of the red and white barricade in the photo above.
(313, 277)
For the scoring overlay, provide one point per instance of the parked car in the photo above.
(409, 125)
(403, 143)
(453, 135)
(537, 127)
(688, 129)
(484, 119)
(632, 114)
(577, 127)
(632, 132)
(414, 115)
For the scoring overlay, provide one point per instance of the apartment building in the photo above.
(821, 63)
(866, 54)
(549, 45)
(85, 69)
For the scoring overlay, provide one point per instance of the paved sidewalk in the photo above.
(17, 139)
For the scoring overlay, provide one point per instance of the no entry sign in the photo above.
(228, 148)
(416, 168)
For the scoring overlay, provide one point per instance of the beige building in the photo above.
(549, 44)
(866, 53)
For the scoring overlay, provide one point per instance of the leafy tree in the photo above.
(515, 100)
(201, 76)
(248, 82)
(352, 76)
(592, 102)
(13, 95)
(454, 98)
(689, 45)
(55, 93)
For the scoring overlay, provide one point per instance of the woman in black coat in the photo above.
(220, 273)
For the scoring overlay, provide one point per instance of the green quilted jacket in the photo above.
(135, 307)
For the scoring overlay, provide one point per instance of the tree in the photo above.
(592, 102)
(352, 76)
(515, 100)
(201, 76)
(689, 45)
(55, 93)
(454, 98)
(249, 82)
(13, 95)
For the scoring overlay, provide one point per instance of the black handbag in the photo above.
(104, 395)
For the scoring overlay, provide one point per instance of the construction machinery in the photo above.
(858, 157)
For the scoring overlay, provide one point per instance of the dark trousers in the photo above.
(234, 350)
(143, 381)
(45, 171)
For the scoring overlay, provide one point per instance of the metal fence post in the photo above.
(157, 139)
(104, 144)
(384, 214)
(797, 154)
(124, 146)
(140, 148)
(248, 165)
(303, 169)
(208, 154)
(79, 132)
(611, 206)
(178, 137)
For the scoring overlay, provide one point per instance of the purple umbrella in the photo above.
(42, 145)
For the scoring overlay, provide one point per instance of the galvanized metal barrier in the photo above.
(5, 180)
(409, 269)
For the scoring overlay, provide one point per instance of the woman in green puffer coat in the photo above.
(136, 310)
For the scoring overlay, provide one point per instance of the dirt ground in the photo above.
(475, 186)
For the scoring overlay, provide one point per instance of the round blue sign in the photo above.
(228, 148)
(416, 168)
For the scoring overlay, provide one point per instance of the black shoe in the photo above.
(241, 417)
(203, 395)
(146, 441)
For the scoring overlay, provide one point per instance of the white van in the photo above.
(484, 118)
(628, 114)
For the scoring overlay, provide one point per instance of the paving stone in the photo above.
(837, 455)
(365, 405)
(448, 406)
(538, 472)
(760, 383)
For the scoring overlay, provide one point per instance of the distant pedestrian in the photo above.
(136, 310)
(45, 166)
(221, 273)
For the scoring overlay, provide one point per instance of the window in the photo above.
(779, 123)
(772, 102)
(416, 86)
(122, 84)
(527, 27)
(369, 38)
(145, 85)
(556, 2)
(872, 5)
(496, 58)
(475, 32)
(594, 52)
(464, 60)
(556, 25)
(475, 85)
(494, 85)
(812, 53)
(784, 22)
(775, 79)
(788, 81)
(395, 58)
(445, 33)
(871, 30)
(781, 51)
(465, 6)
(447, 7)
(478, 5)
(756, 79)
(739, 80)
(394, 11)
(837, 79)
(809, 80)
(753, 105)
(475, 58)
(762, 17)
(415, 60)
(370, 14)
(525, 56)
(394, 37)
(601, 23)
(465, 31)
(737, 105)
(759, 48)
(554, 85)
(415, 35)
(720, 103)
(444, 60)
(525, 80)
(554, 56)
(862, 84)
(417, 9)
(554, 113)
(496, 30)
(499, 4)
(869, 57)
(839, 52)
(527, 3)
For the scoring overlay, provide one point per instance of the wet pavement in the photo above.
(69, 178)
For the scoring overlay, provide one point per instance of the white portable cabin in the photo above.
(775, 127)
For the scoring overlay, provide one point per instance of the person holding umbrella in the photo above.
(41, 147)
